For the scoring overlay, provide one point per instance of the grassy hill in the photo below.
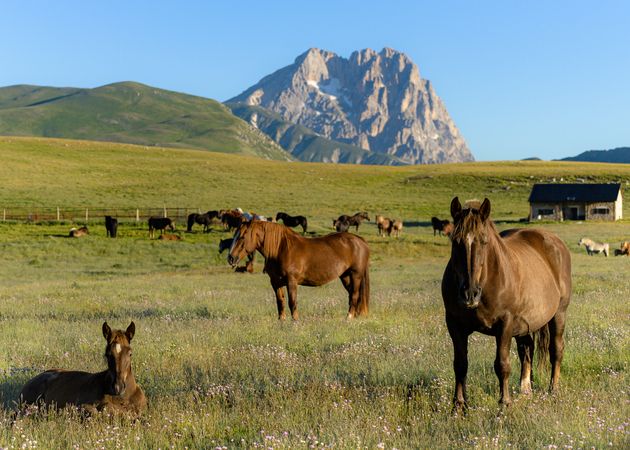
(132, 113)
(304, 143)
(52, 172)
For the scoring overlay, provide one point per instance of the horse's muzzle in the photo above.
(470, 297)
(232, 261)
(119, 388)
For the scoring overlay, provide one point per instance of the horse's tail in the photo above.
(191, 222)
(543, 340)
(364, 292)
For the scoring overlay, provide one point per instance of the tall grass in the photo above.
(220, 371)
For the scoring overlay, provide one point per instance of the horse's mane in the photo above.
(275, 235)
(469, 222)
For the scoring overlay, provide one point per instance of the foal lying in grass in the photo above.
(113, 390)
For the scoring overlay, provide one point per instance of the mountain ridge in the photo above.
(619, 155)
(304, 143)
(373, 100)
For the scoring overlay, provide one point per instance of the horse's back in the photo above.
(344, 249)
(59, 387)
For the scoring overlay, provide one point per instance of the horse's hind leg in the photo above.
(525, 346)
(352, 284)
(279, 291)
(556, 347)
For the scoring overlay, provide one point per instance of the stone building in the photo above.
(575, 202)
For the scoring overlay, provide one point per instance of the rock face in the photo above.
(376, 101)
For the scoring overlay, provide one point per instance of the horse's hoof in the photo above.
(459, 408)
(282, 317)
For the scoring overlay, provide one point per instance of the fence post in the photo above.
(165, 215)
(58, 214)
(86, 216)
(4, 215)
(137, 215)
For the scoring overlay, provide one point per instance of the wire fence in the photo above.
(86, 214)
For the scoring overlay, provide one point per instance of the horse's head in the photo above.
(364, 215)
(469, 248)
(279, 216)
(118, 355)
(245, 241)
(582, 241)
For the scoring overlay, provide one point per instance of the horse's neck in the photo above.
(499, 259)
(270, 245)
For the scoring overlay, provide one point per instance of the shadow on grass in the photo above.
(11, 384)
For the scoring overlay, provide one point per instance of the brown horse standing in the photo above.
(113, 389)
(292, 260)
(504, 285)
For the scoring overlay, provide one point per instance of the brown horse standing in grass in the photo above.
(292, 260)
(512, 284)
(114, 389)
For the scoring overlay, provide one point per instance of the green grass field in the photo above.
(220, 371)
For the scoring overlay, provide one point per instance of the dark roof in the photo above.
(574, 192)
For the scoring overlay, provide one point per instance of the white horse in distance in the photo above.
(593, 247)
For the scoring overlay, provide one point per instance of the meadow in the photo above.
(218, 368)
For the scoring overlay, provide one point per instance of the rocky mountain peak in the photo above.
(374, 100)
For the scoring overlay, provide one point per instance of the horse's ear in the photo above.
(484, 210)
(456, 207)
(107, 331)
(131, 330)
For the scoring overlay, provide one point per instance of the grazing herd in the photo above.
(513, 284)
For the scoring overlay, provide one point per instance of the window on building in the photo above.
(545, 212)
(600, 211)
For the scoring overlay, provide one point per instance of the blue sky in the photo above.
(548, 79)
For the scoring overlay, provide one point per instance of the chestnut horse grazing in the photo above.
(113, 390)
(292, 260)
(512, 284)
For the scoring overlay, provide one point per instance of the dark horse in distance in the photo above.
(345, 221)
(204, 219)
(439, 225)
(293, 221)
(292, 260)
(113, 390)
(513, 284)
(160, 223)
(111, 226)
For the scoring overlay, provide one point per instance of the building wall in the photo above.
(595, 211)
(545, 211)
(619, 207)
(576, 211)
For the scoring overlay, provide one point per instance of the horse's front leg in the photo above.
(525, 345)
(502, 361)
(278, 286)
(460, 364)
(292, 287)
